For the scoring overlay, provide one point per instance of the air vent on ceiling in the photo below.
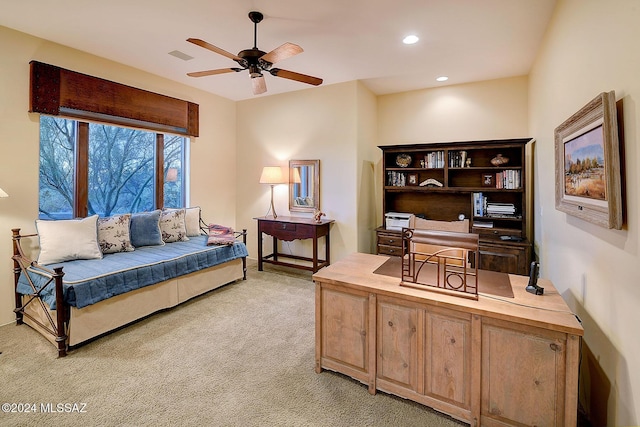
(181, 55)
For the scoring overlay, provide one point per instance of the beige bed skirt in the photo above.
(96, 319)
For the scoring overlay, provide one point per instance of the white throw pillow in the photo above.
(172, 226)
(114, 234)
(68, 239)
(192, 221)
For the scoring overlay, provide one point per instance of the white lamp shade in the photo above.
(3, 194)
(272, 175)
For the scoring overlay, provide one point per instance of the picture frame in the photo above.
(412, 179)
(587, 162)
(487, 180)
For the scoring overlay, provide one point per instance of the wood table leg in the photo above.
(327, 246)
(259, 250)
(315, 252)
(275, 248)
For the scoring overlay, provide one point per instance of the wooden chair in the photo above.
(443, 261)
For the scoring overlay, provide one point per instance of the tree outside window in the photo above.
(121, 168)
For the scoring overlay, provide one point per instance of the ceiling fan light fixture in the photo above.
(254, 71)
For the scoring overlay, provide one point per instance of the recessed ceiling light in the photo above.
(442, 78)
(410, 39)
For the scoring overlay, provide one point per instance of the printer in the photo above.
(397, 220)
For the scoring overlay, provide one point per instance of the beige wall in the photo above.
(592, 47)
(484, 110)
(367, 157)
(319, 123)
(493, 109)
(19, 140)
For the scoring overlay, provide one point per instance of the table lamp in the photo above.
(272, 175)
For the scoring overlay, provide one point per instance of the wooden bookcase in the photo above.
(441, 181)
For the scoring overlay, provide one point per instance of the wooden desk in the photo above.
(294, 228)
(496, 361)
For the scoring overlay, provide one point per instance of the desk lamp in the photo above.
(272, 175)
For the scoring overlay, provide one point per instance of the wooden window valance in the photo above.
(57, 91)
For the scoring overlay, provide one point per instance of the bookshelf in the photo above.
(483, 180)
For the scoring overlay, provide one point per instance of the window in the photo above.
(89, 168)
(57, 149)
(174, 159)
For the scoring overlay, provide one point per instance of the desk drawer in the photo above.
(496, 232)
(390, 250)
(389, 240)
(286, 230)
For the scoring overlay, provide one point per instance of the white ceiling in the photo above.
(343, 40)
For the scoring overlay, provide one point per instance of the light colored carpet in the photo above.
(242, 355)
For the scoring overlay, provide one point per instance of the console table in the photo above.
(294, 228)
(496, 361)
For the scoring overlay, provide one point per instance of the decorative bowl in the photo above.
(499, 160)
(403, 160)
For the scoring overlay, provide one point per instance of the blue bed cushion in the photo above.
(89, 281)
(145, 229)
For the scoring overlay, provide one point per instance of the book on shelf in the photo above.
(396, 179)
(483, 224)
(508, 179)
(479, 204)
(500, 208)
(457, 159)
(504, 216)
(434, 159)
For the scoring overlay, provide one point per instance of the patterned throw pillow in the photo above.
(113, 234)
(172, 226)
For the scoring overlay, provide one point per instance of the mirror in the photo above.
(304, 185)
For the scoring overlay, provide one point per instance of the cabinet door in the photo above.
(448, 356)
(506, 259)
(397, 344)
(523, 375)
(344, 332)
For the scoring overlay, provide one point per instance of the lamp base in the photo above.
(271, 207)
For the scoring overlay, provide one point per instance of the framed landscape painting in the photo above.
(588, 163)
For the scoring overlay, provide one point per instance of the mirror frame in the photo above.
(316, 187)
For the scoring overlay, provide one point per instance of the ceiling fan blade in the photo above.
(258, 84)
(278, 72)
(215, 49)
(284, 51)
(213, 72)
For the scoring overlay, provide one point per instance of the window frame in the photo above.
(80, 207)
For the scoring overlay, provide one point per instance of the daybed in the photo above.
(72, 301)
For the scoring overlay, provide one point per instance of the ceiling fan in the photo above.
(257, 61)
